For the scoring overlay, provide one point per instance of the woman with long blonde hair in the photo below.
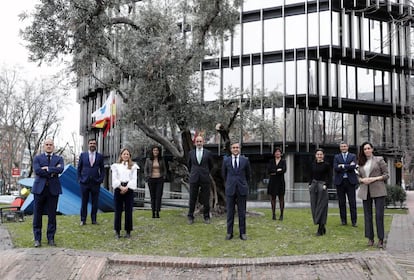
(124, 182)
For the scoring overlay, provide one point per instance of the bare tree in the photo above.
(29, 114)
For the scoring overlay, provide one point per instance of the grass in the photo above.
(171, 236)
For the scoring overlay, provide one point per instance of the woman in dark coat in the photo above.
(276, 188)
(319, 180)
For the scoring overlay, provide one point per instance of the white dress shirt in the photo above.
(121, 173)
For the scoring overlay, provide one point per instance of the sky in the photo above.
(13, 53)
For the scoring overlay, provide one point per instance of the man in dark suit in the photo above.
(91, 173)
(236, 174)
(345, 182)
(200, 163)
(46, 189)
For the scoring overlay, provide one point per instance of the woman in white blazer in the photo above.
(124, 182)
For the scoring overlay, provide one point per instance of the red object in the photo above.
(15, 172)
(18, 201)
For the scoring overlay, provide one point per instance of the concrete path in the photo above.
(396, 262)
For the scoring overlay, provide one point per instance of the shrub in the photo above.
(395, 194)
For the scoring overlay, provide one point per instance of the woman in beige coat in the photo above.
(373, 172)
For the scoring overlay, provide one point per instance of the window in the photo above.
(325, 28)
(252, 37)
(333, 127)
(302, 76)
(211, 85)
(378, 77)
(273, 35)
(231, 82)
(296, 35)
(335, 29)
(290, 78)
(348, 129)
(273, 78)
(365, 84)
(249, 5)
(351, 82)
(312, 30)
(343, 81)
(313, 77)
(375, 38)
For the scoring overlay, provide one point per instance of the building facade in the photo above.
(316, 73)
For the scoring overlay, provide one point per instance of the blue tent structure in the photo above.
(70, 199)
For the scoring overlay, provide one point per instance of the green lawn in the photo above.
(170, 235)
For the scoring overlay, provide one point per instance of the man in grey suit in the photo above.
(200, 163)
(236, 174)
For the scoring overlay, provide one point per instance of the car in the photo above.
(409, 187)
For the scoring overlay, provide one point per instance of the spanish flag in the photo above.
(105, 115)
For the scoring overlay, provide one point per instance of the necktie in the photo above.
(48, 159)
(344, 156)
(199, 156)
(91, 159)
(235, 163)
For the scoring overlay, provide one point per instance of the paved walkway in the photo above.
(396, 262)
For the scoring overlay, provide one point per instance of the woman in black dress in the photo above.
(276, 187)
(319, 180)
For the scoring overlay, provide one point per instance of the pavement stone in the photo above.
(395, 262)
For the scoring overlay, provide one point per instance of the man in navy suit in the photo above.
(200, 163)
(46, 190)
(236, 174)
(345, 182)
(91, 173)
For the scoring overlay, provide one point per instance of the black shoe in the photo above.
(229, 236)
(243, 236)
(190, 220)
(117, 235)
(273, 216)
(344, 223)
(323, 230)
(380, 244)
(128, 235)
(319, 232)
(37, 243)
(51, 242)
(82, 223)
(207, 220)
(95, 223)
(281, 217)
(354, 224)
(157, 215)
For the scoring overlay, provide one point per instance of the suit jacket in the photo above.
(91, 175)
(236, 179)
(349, 168)
(51, 177)
(377, 188)
(200, 172)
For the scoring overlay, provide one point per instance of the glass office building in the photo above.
(319, 72)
